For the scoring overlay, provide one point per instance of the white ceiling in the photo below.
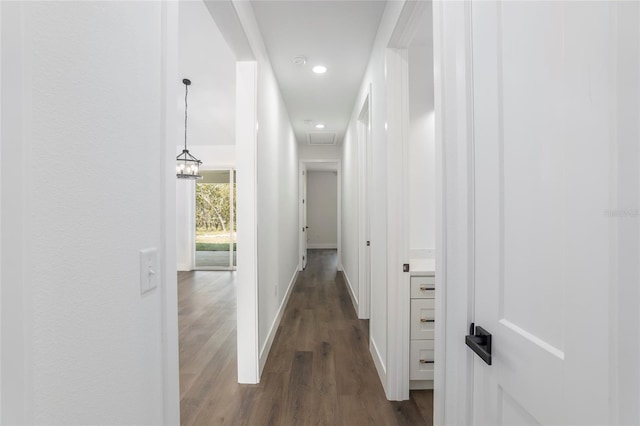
(336, 34)
(424, 31)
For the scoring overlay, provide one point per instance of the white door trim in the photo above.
(398, 203)
(364, 207)
(232, 179)
(454, 223)
(454, 212)
(192, 220)
(302, 242)
(169, 287)
(398, 295)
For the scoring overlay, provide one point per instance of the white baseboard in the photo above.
(354, 299)
(422, 253)
(377, 360)
(266, 348)
(312, 246)
(183, 267)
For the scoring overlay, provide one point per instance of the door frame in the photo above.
(455, 263)
(398, 210)
(364, 206)
(303, 167)
(398, 281)
(454, 207)
(169, 309)
(232, 176)
(302, 206)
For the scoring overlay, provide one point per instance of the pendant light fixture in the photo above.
(187, 166)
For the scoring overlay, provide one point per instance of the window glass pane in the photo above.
(213, 219)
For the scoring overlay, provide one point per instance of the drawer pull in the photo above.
(425, 288)
(426, 320)
(424, 361)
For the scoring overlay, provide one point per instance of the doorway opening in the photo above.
(215, 221)
(320, 207)
(411, 169)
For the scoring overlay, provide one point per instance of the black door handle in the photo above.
(480, 342)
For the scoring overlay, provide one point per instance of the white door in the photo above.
(304, 237)
(544, 105)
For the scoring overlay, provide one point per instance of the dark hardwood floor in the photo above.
(319, 372)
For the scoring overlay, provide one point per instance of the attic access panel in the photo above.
(321, 138)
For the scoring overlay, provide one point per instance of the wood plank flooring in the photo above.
(319, 372)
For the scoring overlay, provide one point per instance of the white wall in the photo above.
(322, 205)
(86, 190)
(277, 201)
(312, 152)
(215, 157)
(421, 150)
(625, 252)
(375, 78)
(207, 60)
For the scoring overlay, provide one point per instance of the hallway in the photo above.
(319, 370)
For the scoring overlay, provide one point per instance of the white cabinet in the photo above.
(423, 287)
(422, 323)
(422, 319)
(422, 354)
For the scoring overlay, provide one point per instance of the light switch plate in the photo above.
(148, 269)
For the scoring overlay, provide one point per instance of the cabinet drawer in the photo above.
(422, 318)
(423, 287)
(421, 360)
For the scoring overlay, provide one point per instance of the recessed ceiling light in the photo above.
(319, 69)
(320, 126)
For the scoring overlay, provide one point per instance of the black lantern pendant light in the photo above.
(187, 166)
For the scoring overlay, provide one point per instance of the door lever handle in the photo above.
(480, 342)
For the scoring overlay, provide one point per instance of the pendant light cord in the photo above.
(186, 92)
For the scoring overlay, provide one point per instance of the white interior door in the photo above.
(367, 221)
(544, 102)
